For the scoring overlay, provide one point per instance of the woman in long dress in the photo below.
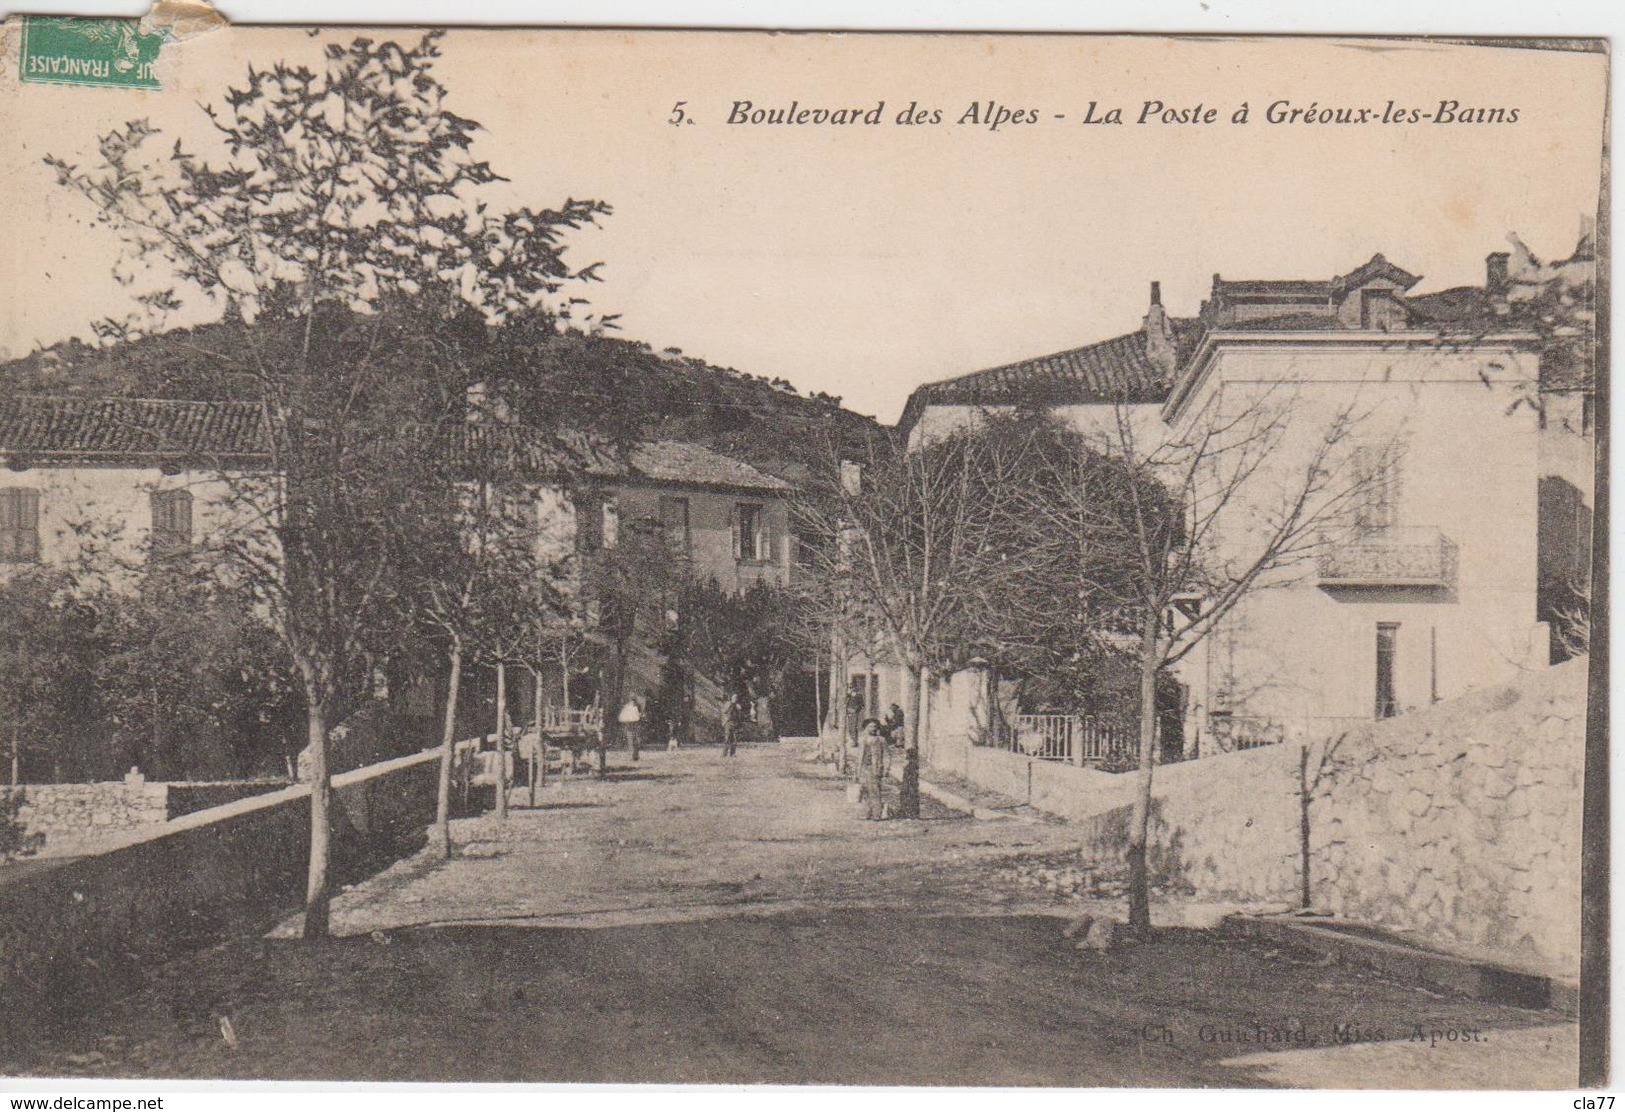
(872, 770)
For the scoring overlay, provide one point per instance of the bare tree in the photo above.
(480, 579)
(918, 556)
(1191, 520)
(335, 226)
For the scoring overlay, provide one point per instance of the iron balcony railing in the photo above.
(1400, 556)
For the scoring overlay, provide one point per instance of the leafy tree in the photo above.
(335, 225)
(50, 638)
(744, 640)
(193, 684)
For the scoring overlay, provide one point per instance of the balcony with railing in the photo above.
(1398, 556)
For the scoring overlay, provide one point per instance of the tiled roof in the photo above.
(46, 428)
(685, 464)
(1376, 267)
(1120, 369)
(1288, 322)
(1114, 370)
(505, 447)
(86, 428)
(1458, 305)
(1286, 287)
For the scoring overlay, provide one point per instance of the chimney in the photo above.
(1586, 248)
(1496, 280)
(1159, 336)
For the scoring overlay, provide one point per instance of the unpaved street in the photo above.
(694, 919)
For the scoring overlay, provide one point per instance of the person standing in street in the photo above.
(851, 724)
(872, 770)
(854, 714)
(733, 720)
(631, 720)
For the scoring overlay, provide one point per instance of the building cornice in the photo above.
(1202, 359)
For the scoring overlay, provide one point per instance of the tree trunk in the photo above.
(908, 804)
(448, 755)
(317, 894)
(926, 685)
(502, 741)
(818, 694)
(837, 703)
(1139, 877)
(157, 727)
(1303, 827)
(612, 705)
(538, 760)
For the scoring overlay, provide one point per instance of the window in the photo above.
(674, 524)
(598, 523)
(1381, 309)
(521, 514)
(1377, 502)
(750, 536)
(171, 520)
(19, 525)
(1387, 654)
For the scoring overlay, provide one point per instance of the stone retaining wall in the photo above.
(81, 818)
(1464, 821)
(1460, 822)
(79, 930)
(74, 813)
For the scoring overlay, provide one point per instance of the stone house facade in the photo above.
(139, 478)
(125, 479)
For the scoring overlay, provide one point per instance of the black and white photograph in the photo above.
(638, 557)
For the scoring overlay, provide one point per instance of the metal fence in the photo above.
(1091, 742)
(1071, 739)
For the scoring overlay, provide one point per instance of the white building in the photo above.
(1442, 579)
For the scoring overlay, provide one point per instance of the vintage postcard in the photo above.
(727, 557)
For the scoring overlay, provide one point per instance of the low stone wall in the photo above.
(85, 929)
(74, 813)
(1460, 822)
(82, 818)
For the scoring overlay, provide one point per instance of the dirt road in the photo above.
(694, 919)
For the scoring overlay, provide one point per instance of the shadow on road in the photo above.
(837, 997)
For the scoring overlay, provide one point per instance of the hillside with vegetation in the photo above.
(619, 388)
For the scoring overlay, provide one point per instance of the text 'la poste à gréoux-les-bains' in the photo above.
(996, 115)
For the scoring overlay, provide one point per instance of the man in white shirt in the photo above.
(631, 720)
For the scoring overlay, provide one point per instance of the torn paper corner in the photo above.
(183, 19)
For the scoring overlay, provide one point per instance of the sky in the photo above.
(865, 260)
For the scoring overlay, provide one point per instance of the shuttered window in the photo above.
(750, 532)
(19, 525)
(1378, 503)
(674, 524)
(171, 521)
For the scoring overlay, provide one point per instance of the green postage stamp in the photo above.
(69, 50)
